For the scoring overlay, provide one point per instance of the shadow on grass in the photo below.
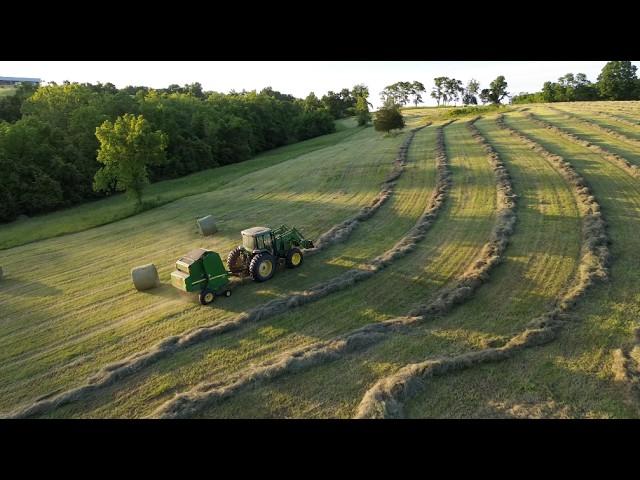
(35, 288)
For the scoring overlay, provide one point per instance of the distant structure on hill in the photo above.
(18, 80)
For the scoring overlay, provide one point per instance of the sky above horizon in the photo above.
(298, 78)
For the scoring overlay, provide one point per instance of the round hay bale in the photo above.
(207, 225)
(145, 277)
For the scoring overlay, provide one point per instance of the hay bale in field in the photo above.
(145, 277)
(207, 225)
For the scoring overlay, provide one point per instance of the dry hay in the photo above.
(526, 410)
(623, 163)
(386, 398)
(340, 232)
(112, 373)
(626, 369)
(145, 277)
(207, 225)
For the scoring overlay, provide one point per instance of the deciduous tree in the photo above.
(127, 146)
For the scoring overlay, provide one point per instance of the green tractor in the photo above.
(202, 270)
(263, 247)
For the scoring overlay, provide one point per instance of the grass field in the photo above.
(68, 309)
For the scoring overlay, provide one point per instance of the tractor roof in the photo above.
(255, 231)
(193, 256)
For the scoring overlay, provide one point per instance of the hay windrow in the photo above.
(386, 398)
(597, 126)
(341, 231)
(619, 119)
(188, 403)
(114, 372)
(621, 162)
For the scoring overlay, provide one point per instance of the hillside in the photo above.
(494, 275)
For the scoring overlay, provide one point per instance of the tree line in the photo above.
(49, 135)
(617, 81)
(445, 91)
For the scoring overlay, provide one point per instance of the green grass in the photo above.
(301, 326)
(118, 207)
(68, 307)
(87, 312)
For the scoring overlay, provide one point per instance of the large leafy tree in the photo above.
(618, 81)
(127, 146)
(496, 92)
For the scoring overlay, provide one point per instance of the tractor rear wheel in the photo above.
(262, 267)
(237, 260)
(206, 297)
(294, 258)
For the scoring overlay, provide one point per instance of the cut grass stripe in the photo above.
(598, 125)
(630, 168)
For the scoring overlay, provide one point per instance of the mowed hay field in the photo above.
(77, 340)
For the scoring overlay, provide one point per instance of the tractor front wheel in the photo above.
(262, 267)
(294, 258)
(206, 297)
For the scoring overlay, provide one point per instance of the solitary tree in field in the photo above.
(388, 118)
(127, 146)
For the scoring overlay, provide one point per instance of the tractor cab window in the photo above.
(267, 242)
(259, 243)
(249, 242)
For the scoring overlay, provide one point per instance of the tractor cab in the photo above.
(257, 239)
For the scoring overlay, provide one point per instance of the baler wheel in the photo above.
(206, 297)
